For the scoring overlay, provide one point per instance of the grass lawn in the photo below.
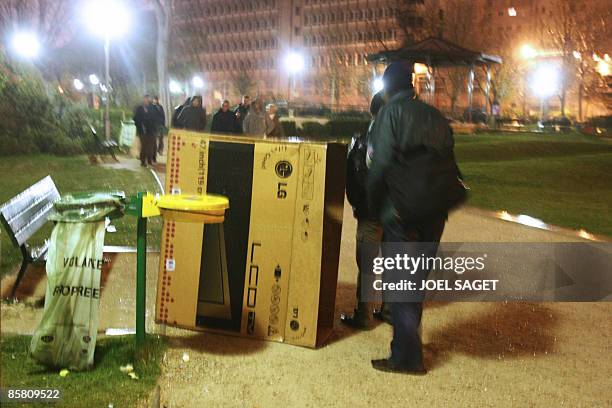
(72, 174)
(563, 179)
(102, 385)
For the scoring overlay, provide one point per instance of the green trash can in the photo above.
(66, 335)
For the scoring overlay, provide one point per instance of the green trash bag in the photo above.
(66, 335)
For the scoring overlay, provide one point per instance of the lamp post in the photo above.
(294, 64)
(107, 19)
(26, 44)
(544, 83)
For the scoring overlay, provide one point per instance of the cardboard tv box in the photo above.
(270, 270)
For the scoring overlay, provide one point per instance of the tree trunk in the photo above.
(580, 86)
(163, 14)
(562, 99)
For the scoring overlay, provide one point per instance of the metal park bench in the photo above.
(25, 214)
(105, 146)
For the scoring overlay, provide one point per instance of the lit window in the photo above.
(511, 11)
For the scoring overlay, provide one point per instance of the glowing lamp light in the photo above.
(527, 51)
(93, 79)
(545, 81)
(511, 11)
(26, 44)
(175, 87)
(78, 85)
(378, 85)
(294, 62)
(420, 68)
(107, 18)
(577, 55)
(603, 68)
(197, 82)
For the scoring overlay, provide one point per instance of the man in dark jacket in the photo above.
(174, 121)
(146, 129)
(242, 111)
(193, 117)
(410, 138)
(224, 121)
(160, 119)
(369, 231)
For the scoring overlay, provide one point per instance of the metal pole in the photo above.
(470, 90)
(141, 271)
(107, 129)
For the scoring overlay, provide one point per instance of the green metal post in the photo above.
(141, 271)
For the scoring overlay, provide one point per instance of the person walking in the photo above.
(273, 125)
(224, 121)
(146, 129)
(255, 122)
(241, 111)
(412, 184)
(160, 119)
(369, 231)
(193, 117)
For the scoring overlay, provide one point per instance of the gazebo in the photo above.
(436, 52)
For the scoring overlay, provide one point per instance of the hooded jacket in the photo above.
(193, 118)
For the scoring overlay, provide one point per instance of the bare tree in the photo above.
(573, 35)
(50, 18)
(243, 82)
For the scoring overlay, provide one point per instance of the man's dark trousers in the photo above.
(406, 347)
(148, 144)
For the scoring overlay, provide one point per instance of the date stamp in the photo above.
(30, 395)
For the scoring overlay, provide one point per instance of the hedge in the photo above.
(36, 118)
(334, 129)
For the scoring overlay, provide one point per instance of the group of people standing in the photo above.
(150, 121)
(248, 117)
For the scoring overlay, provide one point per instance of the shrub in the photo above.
(36, 118)
(601, 121)
(313, 129)
(346, 128)
(289, 128)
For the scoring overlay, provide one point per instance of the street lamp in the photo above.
(544, 83)
(528, 52)
(107, 19)
(174, 87)
(93, 79)
(26, 44)
(294, 64)
(78, 85)
(197, 82)
(377, 85)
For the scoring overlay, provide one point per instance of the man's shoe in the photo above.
(388, 366)
(382, 315)
(355, 321)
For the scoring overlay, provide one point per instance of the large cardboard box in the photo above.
(270, 270)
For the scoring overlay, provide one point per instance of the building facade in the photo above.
(306, 52)
(313, 52)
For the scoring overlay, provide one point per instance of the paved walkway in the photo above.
(479, 354)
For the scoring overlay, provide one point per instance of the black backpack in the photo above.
(356, 174)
